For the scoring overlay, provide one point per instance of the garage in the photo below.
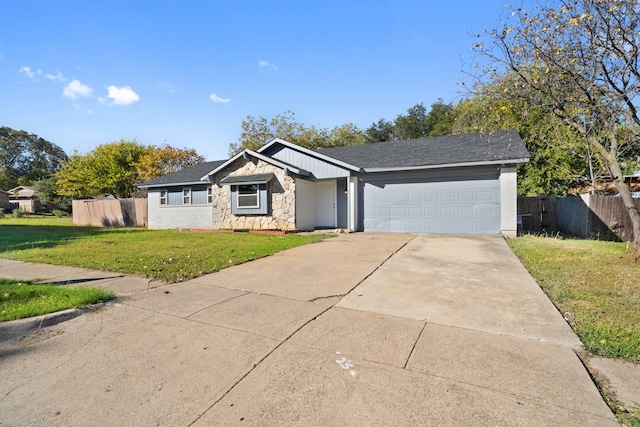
(434, 204)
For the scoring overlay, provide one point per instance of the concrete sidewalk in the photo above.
(361, 329)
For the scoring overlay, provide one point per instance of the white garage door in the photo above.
(449, 206)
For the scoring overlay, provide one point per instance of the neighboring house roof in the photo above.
(452, 150)
(190, 175)
(23, 191)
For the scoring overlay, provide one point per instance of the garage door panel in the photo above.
(448, 227)
(384, 212)
(414, 197)
(466, 226)
(465, 211)
(466, 196)
(462, 206)
(486, 211)
(448, 196)
(399, 211)
(415, 211)
(448, 211)
(486, 196)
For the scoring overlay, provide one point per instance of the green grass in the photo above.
(596, 286)
(20, 299)
(168, 255)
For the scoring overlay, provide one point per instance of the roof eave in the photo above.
(447, 165)
(173, 184)
(259, 156)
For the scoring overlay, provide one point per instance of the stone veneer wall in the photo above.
(282, 210)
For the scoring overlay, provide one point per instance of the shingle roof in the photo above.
(474, 148)
(248, 179)
(189, 175)
(494, 146)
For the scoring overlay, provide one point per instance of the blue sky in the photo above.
(83, 73)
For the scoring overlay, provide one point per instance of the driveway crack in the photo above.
(258, 364)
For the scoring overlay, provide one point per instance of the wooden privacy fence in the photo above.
(586, 215)
(537, 213)
(110, 213)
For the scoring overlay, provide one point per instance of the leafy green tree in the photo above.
(416, 123)
(382, 130)
(580, 61)
(346, 135)
(440, 119)
(49, 194)
(258, 131)
(25, 157)
(108, 169)
(413, 124)
(159, 161)
(555, 163)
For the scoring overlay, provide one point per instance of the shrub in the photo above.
(59, 213)
(18, 213)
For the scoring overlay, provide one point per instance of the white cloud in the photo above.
(31, 74)
(122, 95)
(59, 77)
(216, 98)
(75, 89)
(266, 64)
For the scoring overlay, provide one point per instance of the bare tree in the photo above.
(578, 59)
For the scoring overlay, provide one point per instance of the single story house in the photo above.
(24, 198)
(446, 184)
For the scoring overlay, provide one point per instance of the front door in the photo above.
(326, 204)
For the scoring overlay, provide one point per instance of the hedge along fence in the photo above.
(585, 215)
(110, 213)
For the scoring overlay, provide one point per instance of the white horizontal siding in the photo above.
(184, 216)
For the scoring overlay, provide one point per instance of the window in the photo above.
(199, 195)
(194, 195)
(174, 197)
(250, 199)
(248, 196)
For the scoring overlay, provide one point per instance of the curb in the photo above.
(14, 328)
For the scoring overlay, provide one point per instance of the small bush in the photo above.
(59, 213)
(19, 213)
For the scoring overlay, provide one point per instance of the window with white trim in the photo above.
(250, 199)
(209, 194)
(163, 197)
(186, 196)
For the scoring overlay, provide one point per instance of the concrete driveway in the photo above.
(361, 329)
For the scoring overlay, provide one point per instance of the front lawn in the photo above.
(596, 286)
(168, 255)
(20, 299)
